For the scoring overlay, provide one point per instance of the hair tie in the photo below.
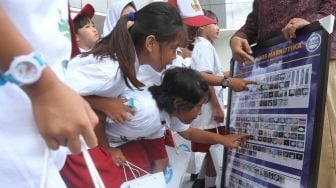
(131, 16)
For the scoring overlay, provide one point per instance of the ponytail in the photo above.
(118, 45)
(158, 18)
(125, 52)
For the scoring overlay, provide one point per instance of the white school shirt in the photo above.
(91, 76)
(45, 25)
(172, 122)
(179, 61)
(148, 76)
(147, 123)
(204, 58)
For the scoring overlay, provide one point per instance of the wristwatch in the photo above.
(2, 79)
(225, 83)
(25, 69)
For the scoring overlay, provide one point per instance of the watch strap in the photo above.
(39, 59)
(11, 79)
(225, 83)
(2, 80)
(7, 76)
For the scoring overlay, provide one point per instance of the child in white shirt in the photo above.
(41, 111)
(148, 36)
(115, 10)
(205, 59)
(86, 33)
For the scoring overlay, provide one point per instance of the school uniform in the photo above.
(102, 77)
(148, 76)
(179, 61)
(21, 145)
(204, 58)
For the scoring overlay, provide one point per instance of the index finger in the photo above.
(244, 137)
(132, 110)
(90, 137)
(285, 32)
(88, 130)
(248, 58)
(74, 144)
(292, 32)
(246, 47)
(123, 100)
(251, 82)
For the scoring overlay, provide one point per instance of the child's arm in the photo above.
(227, 74)
(218, 114)
(100, 130)
(117, 155)
(60, 114)
(236, 84)
(200, 136)
(112, 107)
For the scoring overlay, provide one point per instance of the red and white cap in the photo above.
(192, 13)
(87, 10)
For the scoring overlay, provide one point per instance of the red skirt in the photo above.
(76, 174)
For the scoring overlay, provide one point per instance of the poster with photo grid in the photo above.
(283, 113)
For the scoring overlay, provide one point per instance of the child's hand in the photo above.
(61, 114)
(237, 84)
(117, 110)
(117, 156)
(234, 140)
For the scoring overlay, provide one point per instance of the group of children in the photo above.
(125, 78)
(109, 69)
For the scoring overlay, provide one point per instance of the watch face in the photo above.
(225, 83)
(26, 72)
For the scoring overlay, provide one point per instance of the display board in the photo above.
(283, 113)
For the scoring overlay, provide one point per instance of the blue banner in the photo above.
(278, 114)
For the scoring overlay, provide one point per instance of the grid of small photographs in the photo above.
(281, 89)
(248, 174)
(256, 171)
(273, 136)
(236, 181)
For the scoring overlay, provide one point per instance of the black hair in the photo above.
(183, 84)
(210, 14)
(158, 18)
(80, 22)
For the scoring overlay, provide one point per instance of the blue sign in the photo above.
(279, 114)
